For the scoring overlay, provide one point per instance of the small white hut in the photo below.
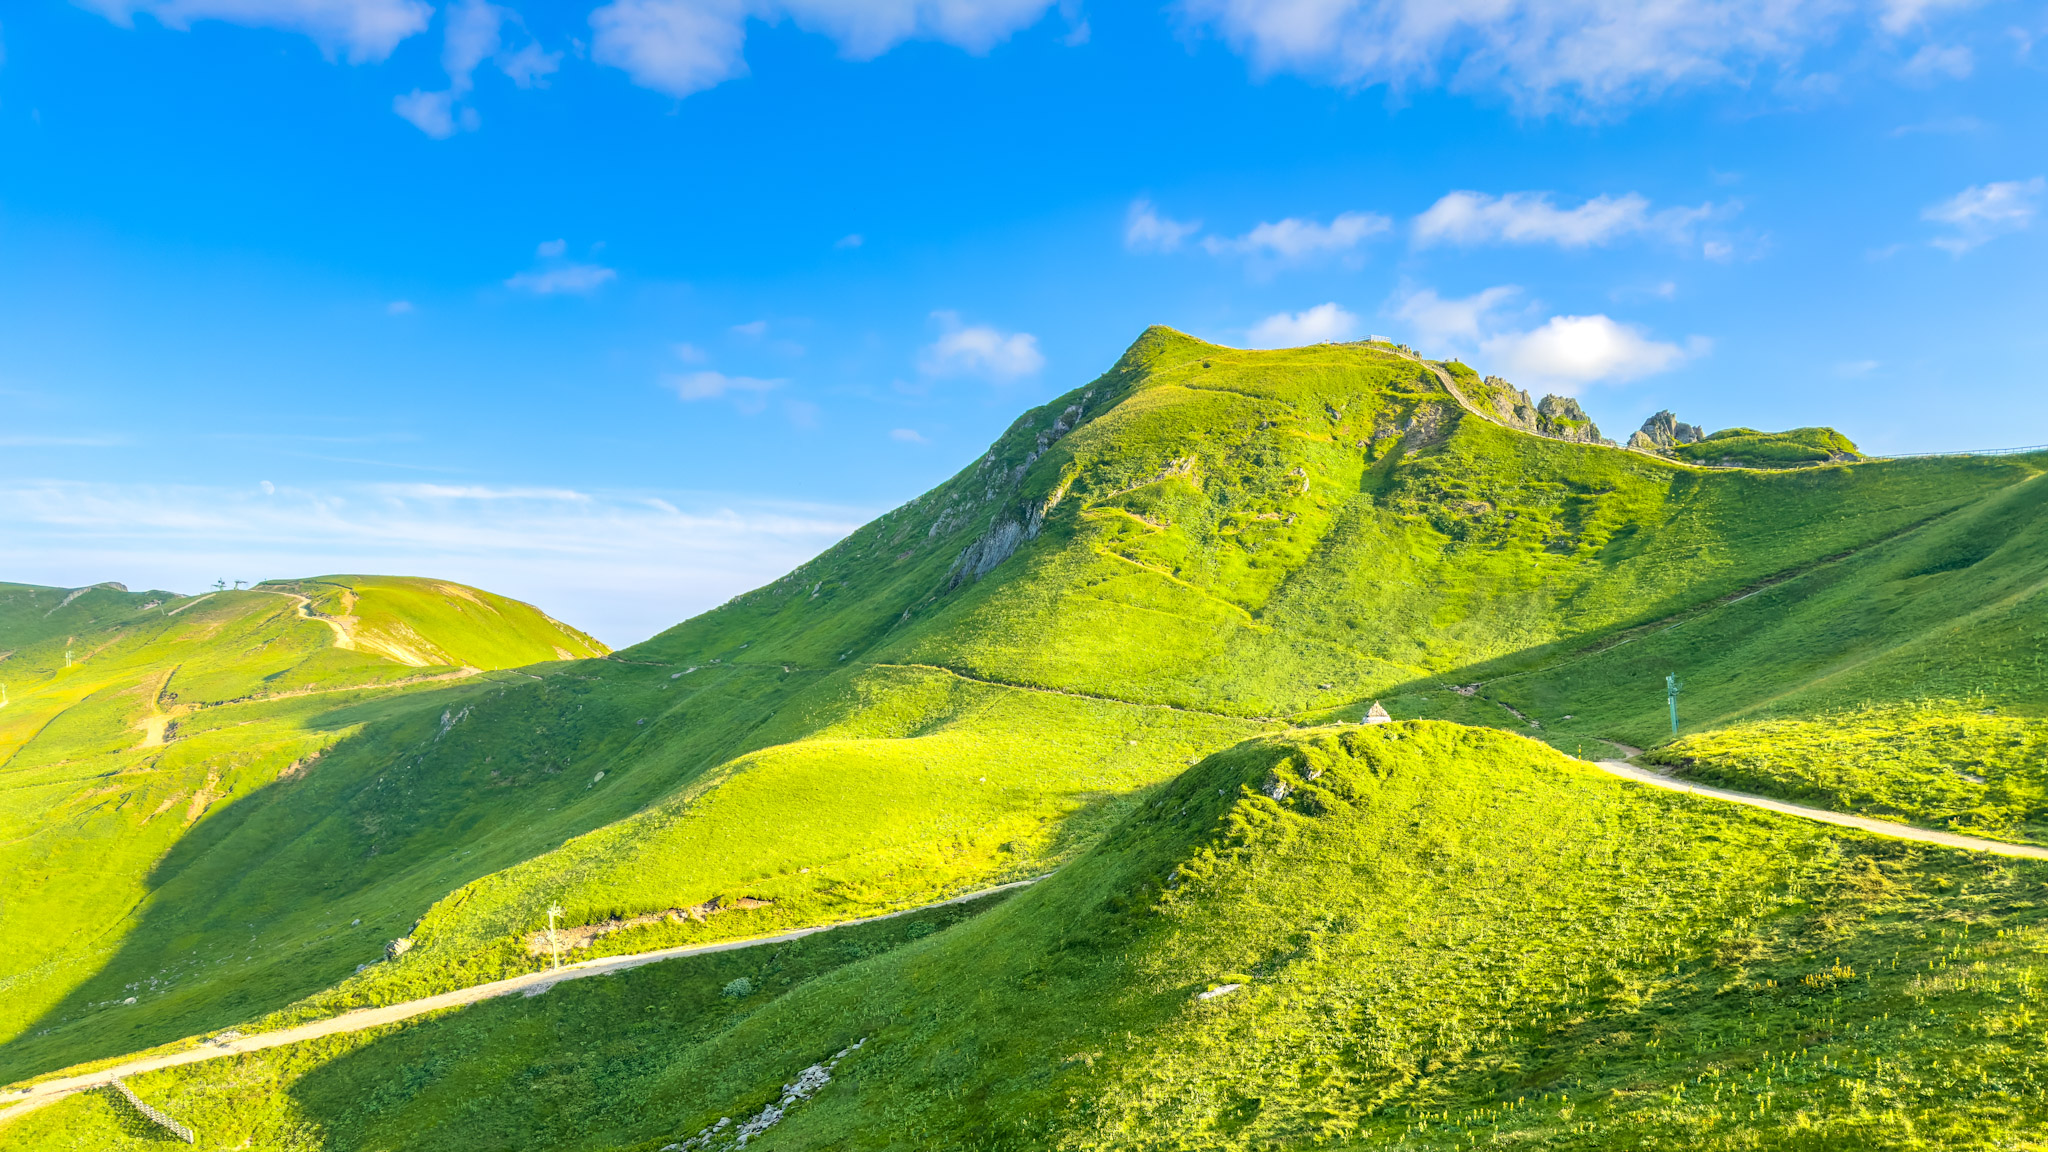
(1377, 714)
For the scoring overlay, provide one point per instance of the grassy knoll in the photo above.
(1942, 763)
(1444, 936)
(1749, 448)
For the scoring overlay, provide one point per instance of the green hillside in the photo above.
(138, 728)
(1440, 936)
(1202, 546)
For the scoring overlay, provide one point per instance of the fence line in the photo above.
(176, 1129)
(1966, 452)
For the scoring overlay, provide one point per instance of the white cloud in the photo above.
(1937, 62)
(754, 329)
(1540, 52)
(1145, 230)
(1982, 211)
(473, 33)
(1295, 238)
(1434, 321)
(1900, 16)
(689, 353)
(906, 436)
(1316, 325)
(530, 66)
(979, 350)
(573, 279)
(850, 240)
(710, 385)
(1530, 218)
(622, 565)
(550, 249)
(364, 31)
(685, 46)
(435, 113)
(399, 308)
(1570, 352)
(1852, 369)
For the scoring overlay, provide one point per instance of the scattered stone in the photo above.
(1219, 990)
(1377, 714)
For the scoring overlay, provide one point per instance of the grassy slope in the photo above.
(1225, 537)
(1444, 934)
(1942, 763)
(124, 765)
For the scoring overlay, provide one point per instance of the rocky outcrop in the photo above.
(1018, 523)
(1663, 432)
(1558, 417)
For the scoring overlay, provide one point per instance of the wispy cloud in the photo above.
(1939, 62)
(364, 31)
(622, 565)
(18, 441)
(1984, 211)
(557, 276)
(711, 385)
(1587, 55)
(1471, 218)
(1295, 237)
(1322, 323)
(473, 31)
(1462, 322)
(906, 436)
(685, 46)
(1145, 230)
(979, 350)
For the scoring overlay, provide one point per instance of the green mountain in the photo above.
(1054, 661)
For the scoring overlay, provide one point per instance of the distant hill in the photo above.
(1046, 663)
(138, 724)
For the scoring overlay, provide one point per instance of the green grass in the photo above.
(1203, 545)
(1749, 448)
(1943, 764)
(1445, 936)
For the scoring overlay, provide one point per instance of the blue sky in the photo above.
(625, 307)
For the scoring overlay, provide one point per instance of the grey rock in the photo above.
(1664, 430)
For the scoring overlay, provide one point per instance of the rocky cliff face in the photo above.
(1663, 432)
(1558, 417)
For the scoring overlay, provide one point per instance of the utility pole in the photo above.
(220, 585)
(1672, 684)
(554, 941)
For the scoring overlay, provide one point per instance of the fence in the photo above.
(1968, 452)
(175, 1128)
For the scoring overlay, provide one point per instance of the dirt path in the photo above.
(35, 1096)
(1862, 823)
(342, 638)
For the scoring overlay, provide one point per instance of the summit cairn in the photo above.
(1377, 714)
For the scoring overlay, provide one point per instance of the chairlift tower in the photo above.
(1671, 685)
(554, 941)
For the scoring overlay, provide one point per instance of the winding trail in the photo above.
(35, 1096)
(1862, 823)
